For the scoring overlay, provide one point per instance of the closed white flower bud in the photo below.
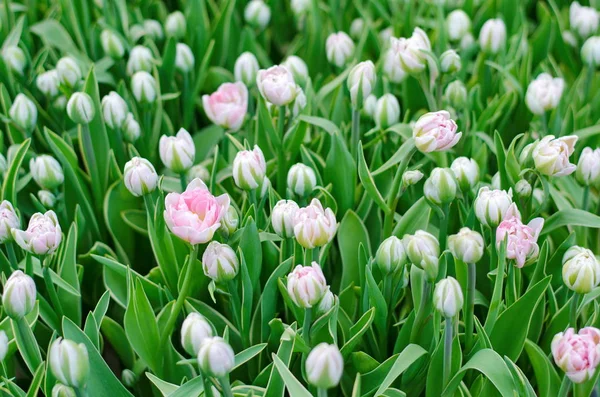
(140, 59)
(588, 167)
(60, 103)
(448, 297)
(467, 41)
(257, 14)
(361, 81)
(326, 302)
(386, 34)
(491, 205)
(143, 87)
(177, 152)
(370, 105)
(69, 72)
(69, 362)
(136, 32)
(220, 262)
(466, 246)
(154, 29)
(175, 25)
(450, 62)
(199, 171)
(299, 103)
(184, 58)
(356, 28)
(581, 270)
(492, 37)
(390, 255)
(19, 295)
(230, 221)
(412, 51)
(393, 69)
(216, 357)
(300, 7)
(46, 198)
(48, 82)
(466, 171)
(339, 48)
(139, 176)
(456, 94)
(112, 44)
(46, 172)
(282, 218)
(277, 85)
(412, 177)
(60, 390)
(298, 67)
(569, 38)
(249, 169)
(551, 156)
(440, 187)
(523, 188)
(131, 128)
(544, 93)
(314, 226)
(324, 366)
(24, 113)
(246, 68)
(3, 345)
(590, 52)
(194, 330)
(8, 220)
(423, 251)
(114, 110)
(306, 285)
(387, 111)
(458, 25)
(15, 58)
(80, 108)
(583, 20)
(301, 179)
(128, 378)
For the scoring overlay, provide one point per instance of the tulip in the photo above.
(466, 246)
(216, 357)
(175, 25)
(423, 251)
(583, 20)
(194, 330)
(339, 47)
(140, 176)
(301, 179)
(466, 171)
(143, 87)
(314, 226)
(140, 59)
(195, 214)
(43, 234)
(8, 220)
(387, 111)
(47, 199)
(48, 82)
(588, 167)
(177, 152)
(492, 37)
(129, 378)
(249, 169)
(299, 103)
(448, 297)
(390, 255)
(458, 25)
(590, 51)
(523, 188)
(60, 390)
(410, 178)
(199, 171)
(220, 262)
(361, 81)
(15, 58)
(257, 14)
(551, 156)
(324, 366)
(277, 85)
(440, 187)
(184, 58)
(392, 68)
(131, 128)
(46, 172)
(521, 240)
(491, 205)
(282, 218)
(356, 28)
(227, 106)
(456, 94)
(114, 110)
(23, 113)
(246, 68)
(69, 362)
(300, 7)
(544, 93)
(19, 295)
(326, 302)
(581, 270)
(69, 72)
(230, 221)
(411, 51)
(306, 285)
(467, 41)
(435, 132)
(370, 105)
(112, 44)
(298, 67)
(154, 29)
(577, 355)
(80, 108)
(450, 62)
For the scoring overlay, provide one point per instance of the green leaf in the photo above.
(292, 384)
(401, 154)
(319, 122)
(244, 356)
(415, 218)
(165, 388)
(191, 388)
(9, 188)
(545, 374)
(71, 303)
(367, 181)
(53, 34)
(27, 344)
(351, 234)
(571, 217)
(36, 382)
(275, 386)
(115, 334)
(340, 171)
(357, 331)
(250, 245)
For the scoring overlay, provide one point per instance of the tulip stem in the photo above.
(420, 317)
(52, 292)
(494, 310)
(226, 386)
(470, 300)
(355, 132)
(10, 248)
(544, 123)
(306, 325)
(207, 386)
(321, 392)
(281, 163)
(447, 349)
(183, 180)
(394, 197)
(443, 232)
(431, 103)
(573, 310)
(565, 386)
(80, 392)
(235, 304)
(308, 256)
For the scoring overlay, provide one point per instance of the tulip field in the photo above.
(300, 198)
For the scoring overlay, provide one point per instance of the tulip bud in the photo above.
(46, 172)
(23, 113)
(492, 37)
(314, 226)
(249, 169)
(301, 179)
(230, 221)
(467, 41)
(423, 251)
(60, 103)
(440, 187)
(60, 390)
(386, 34)
(140, 59)
(69, 362)
(297, 67)
(48, 82)
(299, 103)
(3, 345)
(339, 47)
(154, 29)
(139, 176)
(277, 85)
(227, 106)
(590, 52)
(306, 285)
(588, 168)
(448, 297)
(128, 378)
(410, 178)
(300, 7)
(523, 188)
(356, 28)
(136, 32)
(450, 62)
(15, 58)
(456, 94)
(584, 20)
(581, 270)
(387, 111)
(390, 255)
(326, 302)
(392, 67)
(412, 51)
(551, 156)
(143, 87)
(264, 189)
(114, 110)
(19, 295)
(199, 171)
(324, 366)
(220, 262)
(184, 58)
(370, 105)
(282, 218)
(257, 14)
(112, 44)
(47, 198)
(246, 68)
(466, 171)
(69, 72)
(131, 128)
(491, 205)
(435, 132)
(175, 25)
(544, 93)
(361, 81)
(194, 330)
(177, 152)
(458, 25)
(216, 357)
(8, 220)
(466, 246)
(80, 108)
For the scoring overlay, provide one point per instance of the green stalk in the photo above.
(306, 325)
(308, 256)
(207, 386)
(235, 304)
(494, 310)
(565, 386)
(281, 161)
(52, 292)
(119, 149)
(586, 197)
(443, 232)
(510, 286)
(447, 350)
(394, 197)
(470, 299)
(420, 318)
(573, 310)
(183, 181)
(545, 123)
(321, 392)
(355, 132)
(427, 91)
(10, 248)
(283, 250)
(226, 386)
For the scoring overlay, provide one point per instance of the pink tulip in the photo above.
(227, 106)
(195, 214)
(43, 234)
(435, 132)
(577, 355)
(521, 239)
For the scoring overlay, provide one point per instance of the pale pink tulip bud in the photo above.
(114, 110)
(47, 199)
(491, 205)
(392, 68)
(440, 187)
(339, 48)
(46, 172)
(544, 93)
(423, 251)
(246, 68)
(521, 240)
(361, 82)
(131, 128)
(277, 85)
(458, 25)
(153, 28)
(69, 362)
(370, 105)
(412, 177)
(387, 111)
(43, 234)
(314, 226)
(551, 156)
(583, 20)
(492, 37)
(435, 132)
(466, 246)
(581, 270)
(282, 218)
(143, 87)
(306, 285)
(249, 169)
(257, 13)
(230, 221)
(412, 51)
(466, 171)
(8, 220)
(140, 59)
(577, 355)
(227, 106)
(588, 167)
(301, 179)
(139, 176)
(356, 28)
(18, 298)
(448, 297)
(390, 255)
(216, 357)
(195, 214)
(177, 152)
(220, 262)
(324, 366)
(194, 330)
(298, 67)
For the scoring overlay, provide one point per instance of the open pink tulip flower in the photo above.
(577, 355)
(435, 132)
(521, 239)
(43, 234)
(227, 106)
(195, 214)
